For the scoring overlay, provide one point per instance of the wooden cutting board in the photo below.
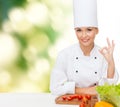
(77, 99)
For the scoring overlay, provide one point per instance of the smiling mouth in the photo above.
(85, 40)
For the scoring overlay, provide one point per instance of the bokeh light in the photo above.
(30, 37)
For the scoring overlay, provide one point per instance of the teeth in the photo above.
(84, 40)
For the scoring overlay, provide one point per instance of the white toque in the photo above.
(85, 13)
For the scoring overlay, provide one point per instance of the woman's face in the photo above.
(86, 35)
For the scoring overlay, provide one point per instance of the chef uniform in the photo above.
(74, 69)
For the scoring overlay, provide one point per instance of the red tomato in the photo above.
(80, 97)
(72, 96)
(69, 98)
(75, 96)
(82, 105)
(64, 97)
(88, 97)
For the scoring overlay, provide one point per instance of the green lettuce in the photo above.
(109, 93)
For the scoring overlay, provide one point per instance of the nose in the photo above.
(84, 34)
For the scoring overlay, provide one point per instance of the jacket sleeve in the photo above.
(104, 78)
(59, 83)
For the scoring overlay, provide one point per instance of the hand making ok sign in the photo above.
(107, 51)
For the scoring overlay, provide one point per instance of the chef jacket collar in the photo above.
(91, 53)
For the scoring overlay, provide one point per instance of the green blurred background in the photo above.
(31, 32)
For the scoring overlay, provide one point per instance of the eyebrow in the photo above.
(86, 28)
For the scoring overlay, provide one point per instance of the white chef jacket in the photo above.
(73, 69)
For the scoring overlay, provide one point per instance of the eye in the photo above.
(89, 29)
(78, 30)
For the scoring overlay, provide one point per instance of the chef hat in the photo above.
(85, 13)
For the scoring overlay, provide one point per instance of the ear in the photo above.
(97, 31)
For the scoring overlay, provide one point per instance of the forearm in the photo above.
(111, 69)
(88, 90)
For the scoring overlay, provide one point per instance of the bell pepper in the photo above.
(103, 104)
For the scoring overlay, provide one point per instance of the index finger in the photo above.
(108, 42)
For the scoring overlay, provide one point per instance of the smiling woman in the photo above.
(80, 67)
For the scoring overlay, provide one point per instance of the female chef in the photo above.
(82, 66)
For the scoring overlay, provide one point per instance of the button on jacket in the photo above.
(73, 69)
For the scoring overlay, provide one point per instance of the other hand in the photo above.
(107, 51)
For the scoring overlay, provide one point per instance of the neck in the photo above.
(87, 49)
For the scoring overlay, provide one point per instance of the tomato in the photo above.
(64, 97)
(80, 97)
(82, 105)
(88, 97)
(69, 98)
(75, 96)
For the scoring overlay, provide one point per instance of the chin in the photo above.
(85, 44)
